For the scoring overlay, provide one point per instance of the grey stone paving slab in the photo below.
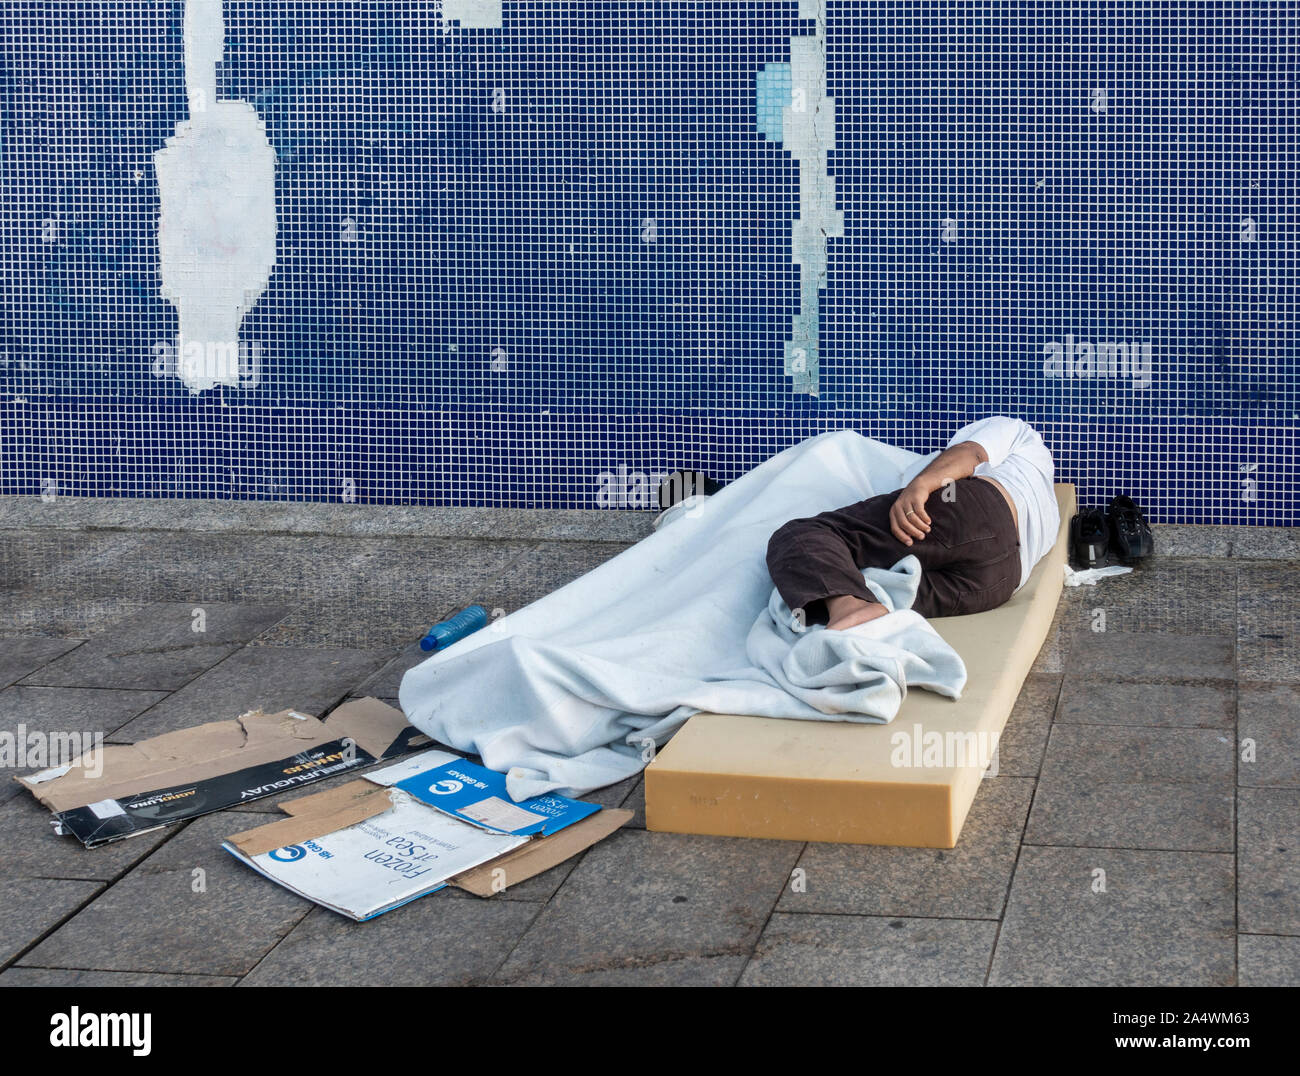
(29, 847)
(157, 647)
(36, 611)
(1138, 753)
(387, 623)
(1132, 815)
(966, 882)
(1051, 656)
(1268, 960)
(153, 920)
(1268, 860)
(1135, 787)
(34, 905)
(853, 950)
(41, 559)
(64, 716)
(1150, 657)
(1165, 919)
(24, 976)
(635, 803)
(615, 795)
(267, 677)
(388, 680)
(19, 656)
(434, 941)
(655, 908)
(1165, 595)
(1269, 716)
(1268, 622)
(72, 564)
(387, 592)
(544, 569)
(1087, 701)
(1021, 745)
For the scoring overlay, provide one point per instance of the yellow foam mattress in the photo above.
(910, 782)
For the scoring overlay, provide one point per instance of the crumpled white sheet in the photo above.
(1089, 576)
(574, 691)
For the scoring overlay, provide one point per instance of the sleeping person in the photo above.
(566, 693)
(978, 518)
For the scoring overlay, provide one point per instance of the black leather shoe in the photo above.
(1130, 533)
(1089, 538)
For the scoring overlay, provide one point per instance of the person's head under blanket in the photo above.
(980, 515)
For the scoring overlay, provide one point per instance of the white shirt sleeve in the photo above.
(1001, 436)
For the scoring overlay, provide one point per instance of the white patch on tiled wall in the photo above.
(217, 226)
(808, 132)
(473, 14)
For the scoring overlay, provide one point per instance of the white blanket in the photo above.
(574, 691)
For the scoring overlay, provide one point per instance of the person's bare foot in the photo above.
(848, 611)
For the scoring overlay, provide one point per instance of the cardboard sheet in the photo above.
(195, 771)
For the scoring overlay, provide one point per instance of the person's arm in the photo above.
(954, 462)
(907, 518)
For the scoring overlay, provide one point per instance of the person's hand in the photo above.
(907, 517)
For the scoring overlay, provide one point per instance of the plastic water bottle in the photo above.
(466, 622)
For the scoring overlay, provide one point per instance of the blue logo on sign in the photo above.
(288, 853)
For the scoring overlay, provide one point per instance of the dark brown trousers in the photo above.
(970, 560)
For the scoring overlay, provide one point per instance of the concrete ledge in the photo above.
(1236, 541)
(303, 517)
(543, 524)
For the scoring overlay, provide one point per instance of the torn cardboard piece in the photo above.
(369, 846)
(334, 810)
(541, 854)
(191, 772)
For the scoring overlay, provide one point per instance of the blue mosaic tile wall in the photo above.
(523, 244)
